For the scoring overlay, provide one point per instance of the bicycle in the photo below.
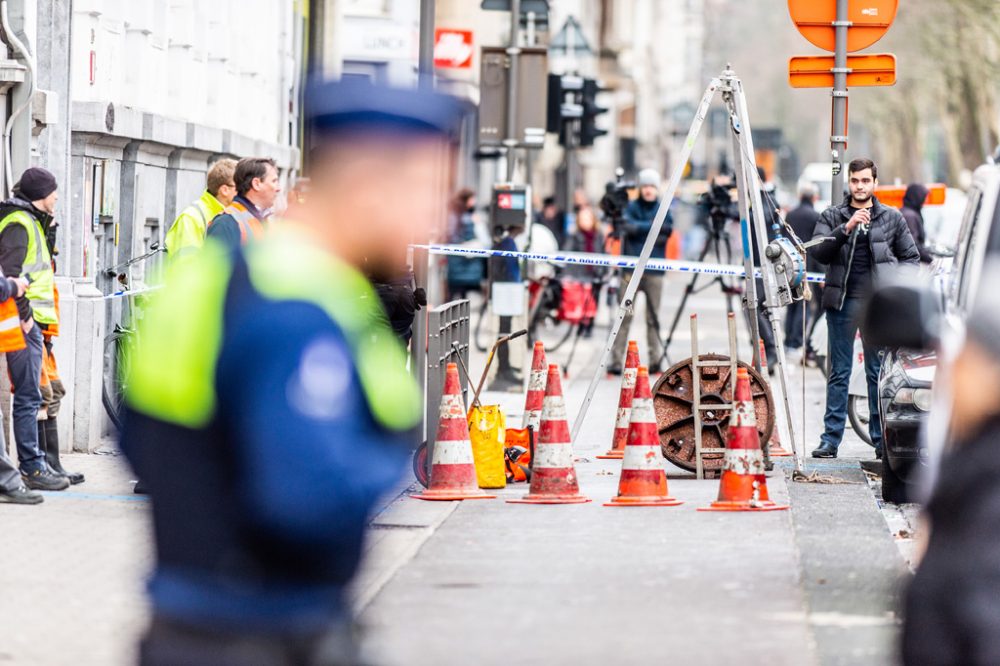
(545, 319)
(120, 341)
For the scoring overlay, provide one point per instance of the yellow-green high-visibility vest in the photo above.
(171, 372)
(37, 267)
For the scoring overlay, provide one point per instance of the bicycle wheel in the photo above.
(113, 386)
(420, 465)
(552, 331)
(480, 336)
(857, 411)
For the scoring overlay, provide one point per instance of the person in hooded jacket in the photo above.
(913, 202)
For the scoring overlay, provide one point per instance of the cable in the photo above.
(29, 62)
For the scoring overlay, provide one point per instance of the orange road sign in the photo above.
(870, 19)
(892, 195)
(877, 69)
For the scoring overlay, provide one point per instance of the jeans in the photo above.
(25, 373)
(798, 311)
(842, 326)
(652, 286)
(10, 478)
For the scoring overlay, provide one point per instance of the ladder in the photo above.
(696, 407)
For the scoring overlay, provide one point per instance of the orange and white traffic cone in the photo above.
(536, 389)
(620, 435)
(453, 471)
(743, 486)
(553, 477)
(643, 481)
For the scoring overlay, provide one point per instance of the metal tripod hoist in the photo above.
(782, 267)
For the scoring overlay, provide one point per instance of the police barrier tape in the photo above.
(128, 292)
(604, 260)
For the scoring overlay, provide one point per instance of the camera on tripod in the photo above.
(616, 198)
(718, 203)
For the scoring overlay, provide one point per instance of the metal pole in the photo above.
(745, 152)
(426, 52)
(647, 250)
(513, 53)
(699, 464)
(838, 130)
(750, 303)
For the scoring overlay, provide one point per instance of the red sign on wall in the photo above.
(453, 48)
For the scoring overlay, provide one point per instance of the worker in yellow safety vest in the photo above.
(24, 252)
(257, 189)
(187, 234)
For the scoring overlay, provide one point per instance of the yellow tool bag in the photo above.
(487, 432)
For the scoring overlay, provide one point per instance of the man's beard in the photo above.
(861, 198)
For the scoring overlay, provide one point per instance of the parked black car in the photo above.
(904, 400)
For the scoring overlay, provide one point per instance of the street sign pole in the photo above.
(426, 48)
(838, 131)
(513, 52)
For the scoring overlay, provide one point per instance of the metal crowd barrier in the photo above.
(446, 324)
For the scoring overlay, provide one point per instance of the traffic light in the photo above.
(591, 110)
(563, 104)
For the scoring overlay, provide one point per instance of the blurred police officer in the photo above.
(268, 407)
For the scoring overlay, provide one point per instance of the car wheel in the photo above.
(894, 489)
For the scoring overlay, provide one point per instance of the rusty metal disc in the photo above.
(673, 401)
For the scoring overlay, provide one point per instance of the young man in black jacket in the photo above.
(865, 238)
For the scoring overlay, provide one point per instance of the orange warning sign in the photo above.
(878, 69)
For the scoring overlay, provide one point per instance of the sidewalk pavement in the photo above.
(72, 571)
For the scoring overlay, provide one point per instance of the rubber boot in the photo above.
(48, 436)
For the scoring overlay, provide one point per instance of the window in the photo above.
(966, 249)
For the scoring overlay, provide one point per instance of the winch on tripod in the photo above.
(789, 270)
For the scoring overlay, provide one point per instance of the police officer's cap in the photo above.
(354, 104)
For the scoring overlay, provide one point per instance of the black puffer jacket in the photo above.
(889, 241)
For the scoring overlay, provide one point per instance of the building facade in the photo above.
(132, 101)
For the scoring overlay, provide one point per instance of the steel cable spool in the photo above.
(673, 402)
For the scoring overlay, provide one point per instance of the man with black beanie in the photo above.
(24, 253)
